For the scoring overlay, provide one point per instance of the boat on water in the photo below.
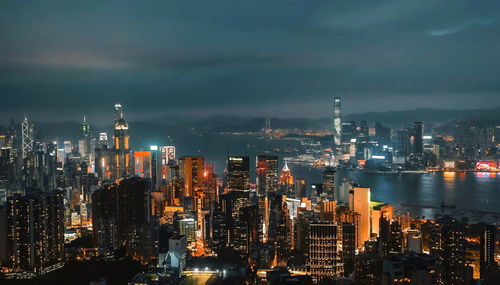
(413, 171)
(444, 206)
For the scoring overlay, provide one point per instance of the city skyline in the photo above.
(72, 203)
(265, 142)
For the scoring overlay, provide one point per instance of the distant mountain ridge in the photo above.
(426, 115)
(175, 126)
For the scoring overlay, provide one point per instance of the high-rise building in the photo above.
(103, 140)
(348, 247)
(211, 185)
(238, 173)
(337, 124)
(368, 265)
(122, 149)
(299, 187)
(286, 180)
(248, 230)
(267, 173)
(122, 219)
(409, 268)
(231, 205)
(27, 137)
(39, 168)
(327, 210)
(403, 142)
(142, 164)
(359, 202)
(416, 138)
(364, 131)
(447, 244)
(86, 144)
(348, 131)
(283, 232)
(381, 210)
(414, 241)
(304, 219)
(187, 227)
(35, 232)
(191, 170)
(329, 182)
(85, 127)
(396, 238)
(487, 254)
(383, 134)
(324, 258)
(167, 154)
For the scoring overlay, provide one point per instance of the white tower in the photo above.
(336, 125)
(27, 137)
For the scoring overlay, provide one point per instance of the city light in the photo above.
(250, 142)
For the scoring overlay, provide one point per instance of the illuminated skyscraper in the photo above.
(118, 112)
(487, 254)
(329, 182)
(122, 158)
(231, 205)
(286, 179)
(143, 164)
(86, 143)
(238, 173)
(327, 210)
(167, 154)
(337, 124)
(85, 128)
(27, 137)
(191, 170)
(35, 231)
(103, 140)
(267, 173)
(324, 259)
(447, 244)
(359, 202)
(248, 232)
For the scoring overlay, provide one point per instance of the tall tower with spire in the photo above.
(122, 151)
(286, 179)
(85, 128)
(85, 143)
(336, 125)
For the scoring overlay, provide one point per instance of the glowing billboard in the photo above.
(486, 165)
(449, 164)
(167, 154)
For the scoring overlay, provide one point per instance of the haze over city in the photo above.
(248, 58)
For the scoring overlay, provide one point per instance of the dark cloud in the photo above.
(63, 58)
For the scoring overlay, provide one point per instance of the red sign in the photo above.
(486, 165)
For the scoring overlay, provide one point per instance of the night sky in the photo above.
(60, 60)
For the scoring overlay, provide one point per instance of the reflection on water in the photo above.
(449, 179)
(475, 192)
(486, 174)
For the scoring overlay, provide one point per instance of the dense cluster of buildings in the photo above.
(162, 211)
(443, 146)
